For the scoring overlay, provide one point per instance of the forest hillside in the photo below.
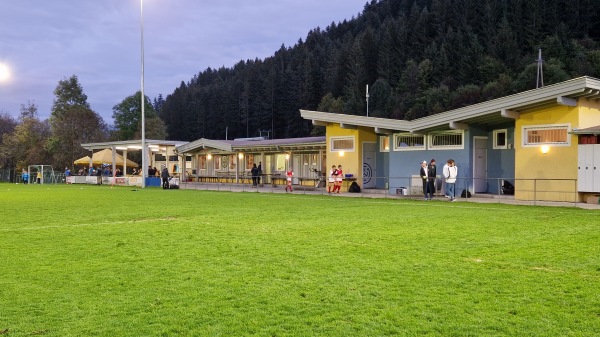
(418, 57)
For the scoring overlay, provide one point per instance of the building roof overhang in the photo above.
(131, 144)
(255, 145)
(494, 112)
(595, 130)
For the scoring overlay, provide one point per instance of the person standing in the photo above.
(332, 175)
(259, 172)
(254, 172)
(39, 175)
(25, 176)
(165, 178)
(431, 176)
(450, 172)
(289, 175)
(423, 174)
(339, 179)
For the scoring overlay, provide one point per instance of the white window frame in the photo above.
(500, 147)
(431, 142)
(526, 129)
(409, 148)
(382, 141)
(332, 141)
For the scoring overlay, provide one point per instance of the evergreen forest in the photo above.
(418, 58)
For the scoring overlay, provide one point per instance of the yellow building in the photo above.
(530, 139)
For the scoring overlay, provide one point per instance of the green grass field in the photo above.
(100, 261)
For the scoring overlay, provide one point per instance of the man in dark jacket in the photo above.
(165, 178)
(254, 172)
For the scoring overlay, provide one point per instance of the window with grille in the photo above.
(408, 141)
(539, 135)
(500, 139)
(447, 140)
(342, 144)
(384, 144)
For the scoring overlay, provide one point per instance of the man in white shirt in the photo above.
(450, 172)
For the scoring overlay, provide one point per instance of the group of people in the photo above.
(256, 172)
(25, 176)
(336, 178)
(428, 173)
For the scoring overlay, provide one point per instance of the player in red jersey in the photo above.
(289, 174)
(339, 179)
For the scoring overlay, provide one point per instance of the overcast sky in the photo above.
(45, 41)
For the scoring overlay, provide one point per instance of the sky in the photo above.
(99, 41)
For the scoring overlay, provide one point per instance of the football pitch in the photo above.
(99, 261)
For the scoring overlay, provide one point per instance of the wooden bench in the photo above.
(309, 181)
(277, 179)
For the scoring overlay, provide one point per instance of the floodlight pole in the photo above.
(367, 100)
(142, 98)
(540, 70)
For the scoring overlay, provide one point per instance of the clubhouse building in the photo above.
(545, 142)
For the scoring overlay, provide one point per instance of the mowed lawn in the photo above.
(101, 261)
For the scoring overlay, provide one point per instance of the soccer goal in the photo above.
(42, 174)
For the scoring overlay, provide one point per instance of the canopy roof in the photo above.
(104, 157)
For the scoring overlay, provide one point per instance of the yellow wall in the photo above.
(351, 161)
(589, 113)
(559, 163)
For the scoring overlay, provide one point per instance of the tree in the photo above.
(26, 145)
(7, 126)
(69, 93)
(421, 49)
(128, 121)
(72, 123)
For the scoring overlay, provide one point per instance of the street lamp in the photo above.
(143, 100)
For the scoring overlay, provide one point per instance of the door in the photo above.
(369, 165)
(297, 168)
(584, 161)
(480, 164)
(596, 168)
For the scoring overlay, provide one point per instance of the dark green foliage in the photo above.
(419, 57)
(128, 121)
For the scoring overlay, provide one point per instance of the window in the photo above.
(202, 162)
(446, 140)
(552, 134)
(342, 144)
(232, 162)
(159, 157)
(500, 139)
(408, 141)
(249, 161)
(384, 143)
(219, 161)
(280, 162)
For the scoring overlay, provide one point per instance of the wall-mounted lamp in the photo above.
(287, 156)
(545, 149)
(209, 156)
(241, 155)
(341, 153)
